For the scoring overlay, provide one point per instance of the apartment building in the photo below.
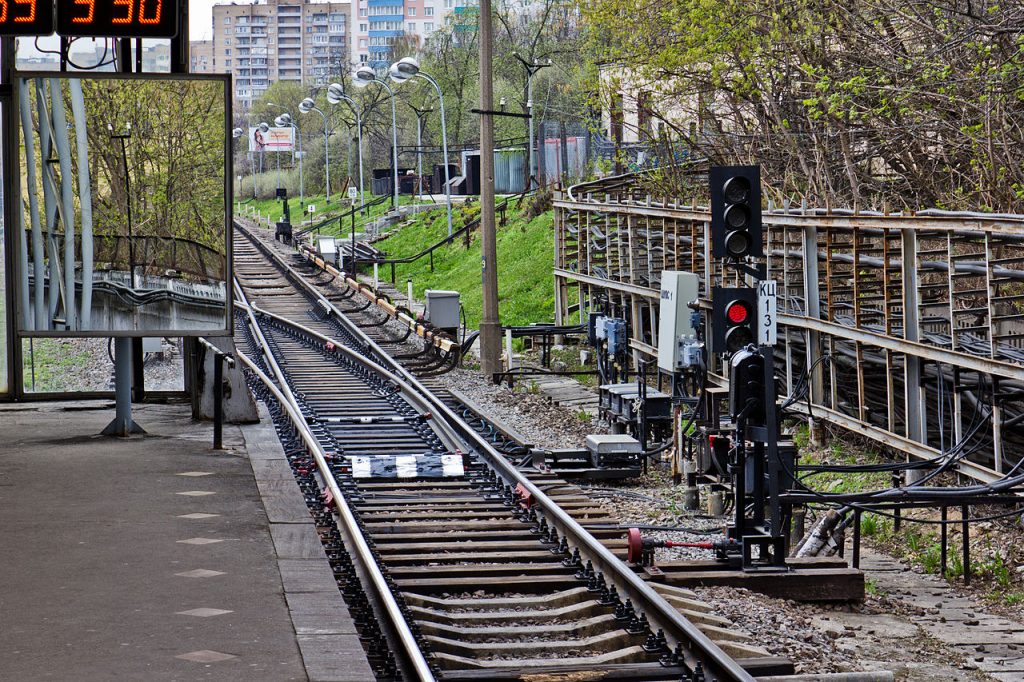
(264, 42)
(381, 23)
(200, 56)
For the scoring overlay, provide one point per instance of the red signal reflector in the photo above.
(737, 312)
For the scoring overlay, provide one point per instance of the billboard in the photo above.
(122, 204)
(273, 140)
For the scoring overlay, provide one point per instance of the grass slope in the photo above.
(525, 257)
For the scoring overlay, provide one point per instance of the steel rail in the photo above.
(677, 628)
(286, 399)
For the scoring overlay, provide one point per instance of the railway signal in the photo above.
(733, 318)
(746, 387)
(736, 212)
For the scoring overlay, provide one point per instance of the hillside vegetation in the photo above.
(525, 257)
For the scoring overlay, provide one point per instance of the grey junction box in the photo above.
(613, 450)
(442, 308)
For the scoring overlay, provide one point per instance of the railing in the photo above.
(912, 324)
(341, 217)
(463, 232)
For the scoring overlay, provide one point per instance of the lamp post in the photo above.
(237, 133)
(124, 137)
(405, 69)
(420, 114)
(307, 105)
(363, 76)
(532, 68)
(263, 129)
(336, 94)
(285, 121)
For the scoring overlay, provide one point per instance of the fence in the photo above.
(912, 325)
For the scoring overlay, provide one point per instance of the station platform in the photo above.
(155, 558)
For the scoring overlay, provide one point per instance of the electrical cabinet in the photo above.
(675, 317)
(442, 308)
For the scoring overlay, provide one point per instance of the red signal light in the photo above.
(737, 313)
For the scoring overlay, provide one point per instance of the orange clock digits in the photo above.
(155, 19)
(126, 19)
(26, 18)
(87, 19)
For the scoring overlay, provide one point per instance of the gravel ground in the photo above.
(84, 364)
(533, 415)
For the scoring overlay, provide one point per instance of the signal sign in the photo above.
(767, 313)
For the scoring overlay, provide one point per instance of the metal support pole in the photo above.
(123, 425)
(218, 402)
(444, 144)
(490, 326)
(965, 515)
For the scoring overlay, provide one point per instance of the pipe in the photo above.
(67, 215)
(38, 255)
(84, 197)
(49, 202)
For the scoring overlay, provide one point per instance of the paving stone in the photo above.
(286, 508)
(320, 613)
(334, 658)
(957, 634)
(272, 470)
(306, 575)
(296, 541)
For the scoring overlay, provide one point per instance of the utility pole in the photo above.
(532, 67)
(490, 326)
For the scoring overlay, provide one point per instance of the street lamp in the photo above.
(532, 68)
(405, 69)
(305, 106)
(264, 128)
(285, 121)
(124, 137)
(335, 94)
(363, 76)
(420, 114)
(237, 133)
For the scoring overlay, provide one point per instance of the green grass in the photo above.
(273, 208)
(50, 361)
(525, 248)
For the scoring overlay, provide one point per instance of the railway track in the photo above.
(455, 563)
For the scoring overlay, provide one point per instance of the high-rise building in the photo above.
(279, 40)
(200, 55)
(379, 24)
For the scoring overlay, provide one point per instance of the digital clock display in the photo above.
(117, 18)
(26, 17)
